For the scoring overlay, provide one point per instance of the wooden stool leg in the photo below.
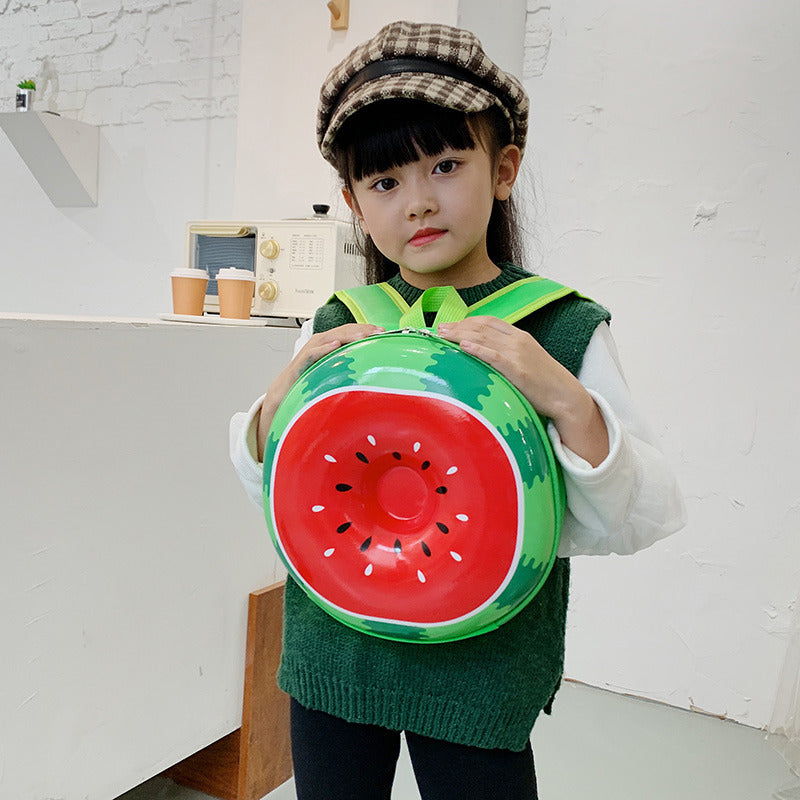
(252, 761)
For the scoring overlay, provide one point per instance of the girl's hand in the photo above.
(548, 386)
(319, 345)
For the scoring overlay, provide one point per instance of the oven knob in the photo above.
(270, 249)
(268, 290)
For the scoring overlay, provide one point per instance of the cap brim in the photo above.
(440, 90)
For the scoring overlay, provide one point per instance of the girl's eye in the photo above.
(384, 184)
(446, 167)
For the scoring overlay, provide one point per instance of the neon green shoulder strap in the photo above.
(381, 304)
(513, 302)
(378, 303)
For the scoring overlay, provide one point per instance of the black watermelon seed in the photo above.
(362, 457)
(426, 464)
(440, 489)
(398, 548)
(442, 527)
(346, 487)
(397, 455)
(426, 549)
(365, 544)
(343, 527)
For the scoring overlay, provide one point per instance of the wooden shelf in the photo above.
(61, 153)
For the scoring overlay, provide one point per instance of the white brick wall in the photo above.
(105, 64)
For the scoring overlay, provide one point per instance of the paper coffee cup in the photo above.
(189, 291)
(236, 288)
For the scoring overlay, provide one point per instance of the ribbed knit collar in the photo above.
(471, 294)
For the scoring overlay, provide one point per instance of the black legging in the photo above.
(338, 760)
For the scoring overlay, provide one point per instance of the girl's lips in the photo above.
(426, 235)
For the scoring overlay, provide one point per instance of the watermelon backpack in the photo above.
(409, 488)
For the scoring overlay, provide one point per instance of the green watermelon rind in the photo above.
(340, 370)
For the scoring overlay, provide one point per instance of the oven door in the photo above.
(212, 246)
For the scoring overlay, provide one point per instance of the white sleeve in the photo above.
(306, 331)
(244, 453)
(632, 499)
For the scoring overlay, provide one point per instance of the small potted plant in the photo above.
(25, 93)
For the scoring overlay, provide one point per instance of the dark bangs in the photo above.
(394, 133)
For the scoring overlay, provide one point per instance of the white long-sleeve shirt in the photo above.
(625, 504)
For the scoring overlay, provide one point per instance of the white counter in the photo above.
(127, 547)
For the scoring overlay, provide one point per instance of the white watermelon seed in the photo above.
(452, 470)
(371, 440)
(329, 552)
(417, 446)
(368, 570)
(421, 576)
(462, 517)
(317, 509)
(456, 556)
(330, 458)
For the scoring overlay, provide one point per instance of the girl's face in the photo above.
(430, 216)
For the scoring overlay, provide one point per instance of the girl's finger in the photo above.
(353, 332)
(475, 328)
(479, 351)
(325, 343)
(492, 323)
(495, 358)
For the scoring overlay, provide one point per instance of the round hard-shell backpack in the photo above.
(409, 488)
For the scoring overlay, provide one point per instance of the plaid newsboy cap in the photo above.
(419, 61)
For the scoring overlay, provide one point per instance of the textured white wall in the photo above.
(664, 148)
(161, 79)
(106, 64)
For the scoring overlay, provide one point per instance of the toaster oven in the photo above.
(298, 263)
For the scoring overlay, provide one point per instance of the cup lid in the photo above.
(189, 273)
(236, 274)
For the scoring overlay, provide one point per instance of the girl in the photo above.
(427, 135)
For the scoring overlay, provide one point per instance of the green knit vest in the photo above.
(485, 691)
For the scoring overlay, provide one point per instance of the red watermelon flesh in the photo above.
(410, 505)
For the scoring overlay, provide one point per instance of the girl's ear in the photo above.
(353, 206)
(507, 171)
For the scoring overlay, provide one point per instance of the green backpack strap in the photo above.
(513, 302)
(381, 304)
(444, 301)
(377, 303)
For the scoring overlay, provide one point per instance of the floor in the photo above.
(601, 745)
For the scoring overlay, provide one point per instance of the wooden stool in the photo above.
(252, 761)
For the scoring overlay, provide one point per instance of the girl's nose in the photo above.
(421, 202)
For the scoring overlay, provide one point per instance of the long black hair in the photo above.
(392, 133)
